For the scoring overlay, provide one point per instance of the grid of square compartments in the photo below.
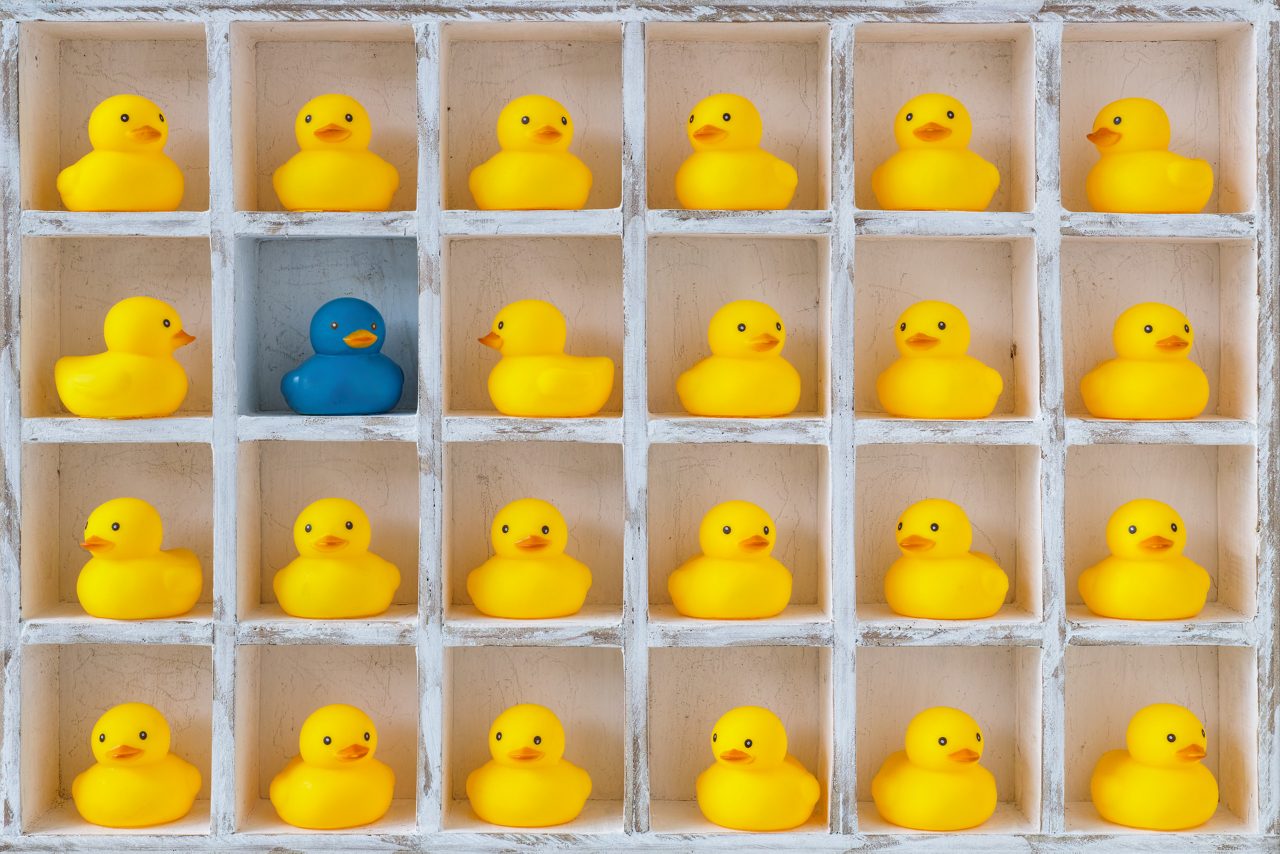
(637, 685)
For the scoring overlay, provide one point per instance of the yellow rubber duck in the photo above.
(938, 577)
(529, 577)
(1152, 376)
(936, 783)
(1146, 576)
(127, 169)
(534, 170)
(745, 376)
(136, 781)
(754, 784)
(1158, 783)
(933, 168)
(335, 576)
(335, 782)
(129, 576)
(528, 782)
(933, 378)
(534, 378)
(334, 170)
(734, 578)
(137, 377)
(728, 169)
(1136, 172)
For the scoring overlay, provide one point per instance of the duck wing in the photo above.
(571, 379)
(1185, 173)
(88, 376)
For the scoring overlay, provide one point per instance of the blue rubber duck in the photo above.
(348, 375)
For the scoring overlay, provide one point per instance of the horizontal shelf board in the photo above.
(267, 624)
(879, 626)
(597, 817)
(594, 625)
(502, 428)
(193, 428)
(604, 222)
(110, 224)
(325, 224)
(791, 430)
(396, 827)
(1224, 828)
(773, 223)
(999, 430)
(1231, 226)
(1217, 625)
(1006, 820)
(944, 224)
(63, 820)
(798, 625)
(395, 427)
(1206, 430)
(68, 623)
(684, 819)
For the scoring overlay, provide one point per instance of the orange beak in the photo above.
(525, 754)
(1156, 543)
(124, 751)
(736, 755)
(916, 543)
(360, 339)
(1104, 137)
(96, 545)
(182, 338)
(754, 543)
(493, 340)
(547, 134)
(1192, 753)
(932, 132)
(920, 341)
(710, 133)
(146, 133)
(352, 752)
(764, 343)
(964, 755)
(330, 543)
(332, 133)
(1173, 343)
(532, 543)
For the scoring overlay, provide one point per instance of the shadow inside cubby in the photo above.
(65, 689)
(281, 283)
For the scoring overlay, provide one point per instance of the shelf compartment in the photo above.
(94, 431)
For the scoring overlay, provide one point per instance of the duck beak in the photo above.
(525, 754)
(710, 133)
(1156, 543)
(332, 133)
(532, 543)
(97, 545)
(916, 543)
(754, 543)
(360, 339)
(182, 338)
(964, 755)
(124, 751)
(547, 134)
(921, 341)
(1173, 344)
(764, 343)
(736, 755)
(1104, 137)
(146, 133)
(1191, 753)
(352, 752)
(931, 132)
(329, 543)
(493, 340)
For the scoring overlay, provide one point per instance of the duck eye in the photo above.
(524, 120)
(942, 324)
(124, 117)
(1116, 120)
(742, 327)
(778, 325)
(951, 114)
(1173, 526)
(333, 325)
(350, 526)
(373, 326)
(1186, 327)
(727, 530)
(328, 740)
(691, 118)
(537, 739)
(899, 526)
(1202, 734)
(102, 736)
(142, 735)
(942, 740)
(366, 736)
(162, 117)
(1133, 529)
(746, 743)
(910, 116)
(766, 529)
(307, 528)
(902, 327)
(713, 736)
(1147, 329)
(564, 120)
(307, 119)
(497, 736)
(167, 324)
(349, 118)
(1171, 738)
(501, 324)
(933, 527)
(979, 735)
(725, 117)
(546, 530)
(115, 526)
(506, 529)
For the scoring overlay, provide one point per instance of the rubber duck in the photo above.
(534, 169)
(1158, 783)
(734, 578)
(1146, 576)
(938, 577)
(334, 170)
(135, 780)
(933, 168)
(129, 576)
(745, 376)
(1136, 172)
(534, 378)
(936, 783)
(127, 169)
(137, 376)
(1152, 376)
(335, 576)
(528, 782)
(348, 375)
(755, 784)
(933, 378)
(728, 169)
(334, 782)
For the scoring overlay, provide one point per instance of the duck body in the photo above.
(551, 386)
(1149, 182)
(358, 585)
(542, 795)
(945, 387)
(531, 180)
(964, 587)
(750, 179)
(529, 588)
(1129, 792)
(157, 793)
(944, 180)
(120, 385)
(122, 181)
(775, 798)
(909, 795)
(736, 387)
(725, 588)
(1173, 588)
(348, 384)
(1145, 389)
(340, 180)
(320, 798)
(166, 584)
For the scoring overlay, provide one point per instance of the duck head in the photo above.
(1146, 529)
(123, 529)
(932, 328)
(1152, 330)
(332, 527)
(724, 122)
(529, 327)
(1131, 124)
(130, 735)
(332, 123)
(749, 737)
(529, 528)
(128, 123)
(1166, 735)
(736, 530)
(944, 739)
(534, 123)
(144, 326)
(932, 122)
(934, 528)
(526, 736)
(337, 736)
(347, 325)
(746, 329)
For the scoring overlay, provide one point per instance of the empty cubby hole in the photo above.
(66, 69)
(276, 68)
(997, 485)
(278, 479)
(63, 484)
(1218, 685)
(65, 689)
(582, 687)
(690, 278)
(277, 689)
(1213, 488)
(993, 282)
(691, 688)
(990, 68)
(70, 283)
(782, 68)
(1203, 74)
(281, 283)
(487, 65)
(1214, 283)
(581, 276)
(998, 686)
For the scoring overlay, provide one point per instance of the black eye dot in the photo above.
(328, 740)
(506, 529)
(1116, 120)
(367, 737)
(742, 327)
(942, 324)
(691, 118)
(307, 119)
(167, 323)
(899, 526)
(933, 527)
(1202, 735)
(162, 118)
(124, 117)
(766, 529)
(143, 735)
(1147, 329)
(1133, 529)
(546, 530)
(713, 736)
(524, 120)
(349, 118)
(942, 741)
(497, 737)
(102, 736)
(727, 529)
(951, 114)
(1173, 526)
(746, 743)
(1171, 738)
(537, 739)
(979, 735)
(1186, 327)
(373, 326)
(307, 528)
(333, 325)
(902, 327)
(115, 526)
(725, 117)
(910, 116)
(501, 324)
(350, 526)
(564, 120)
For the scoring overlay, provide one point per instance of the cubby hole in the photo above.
(281, 283)
(66, 69)
(278, 687)
(487, 65)
(990, 68)
(690, 278)
(1214, 283)
(278, 479)
(65, 689)
(278, 67)
(63, 484)
(789, 482)
(1218, 685)
(997, 485)
(993, 282)
(691, 688)
(583, 687)
(584, 482)
(782, 68)
(581, 276)
(998, 686)
(1203, 74)
(70, 283)
(1213, 488)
